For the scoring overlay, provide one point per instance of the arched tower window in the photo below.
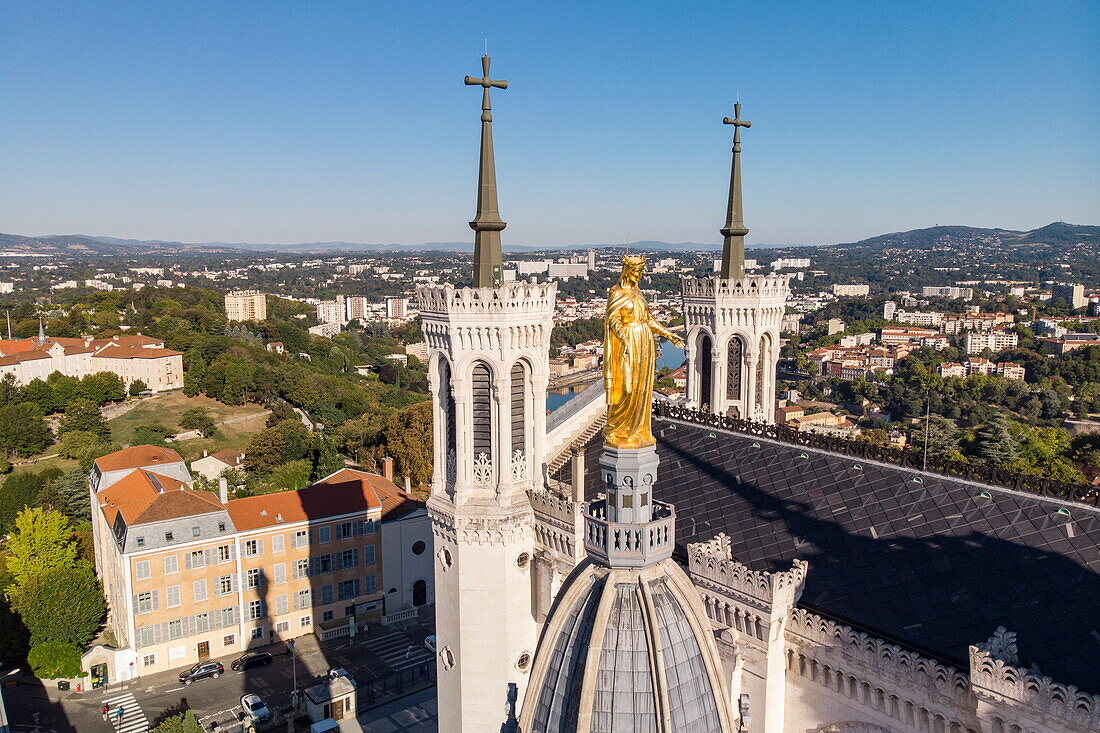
(482, 411)
(705, 371)
(519, 402)
(447, 406)
(762, 362)
(735, 353)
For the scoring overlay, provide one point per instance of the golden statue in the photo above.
(629, 357)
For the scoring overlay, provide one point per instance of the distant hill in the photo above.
(79, 244)
(1058, 236)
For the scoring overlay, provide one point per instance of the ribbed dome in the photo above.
(626, 650)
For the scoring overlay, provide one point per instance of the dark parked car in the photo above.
(250, 660)
(202, 670)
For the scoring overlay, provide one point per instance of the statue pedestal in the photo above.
(629, 528)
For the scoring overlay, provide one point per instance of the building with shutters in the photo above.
(190, 575)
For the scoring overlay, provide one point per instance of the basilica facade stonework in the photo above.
(800, 591)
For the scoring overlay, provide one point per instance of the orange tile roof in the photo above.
(139, 456)
(345, 492)
(14, 346)
(396, 503)
(145, 496)
(113, 351)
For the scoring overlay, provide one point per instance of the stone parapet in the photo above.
(713, 561)
(508, 298)
(864, 652)
(750, 287)
(1012, 697)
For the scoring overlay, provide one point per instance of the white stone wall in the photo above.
(750, 309)
(482, 518)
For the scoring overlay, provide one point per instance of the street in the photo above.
(379, 653)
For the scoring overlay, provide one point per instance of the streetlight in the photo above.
(294, 673)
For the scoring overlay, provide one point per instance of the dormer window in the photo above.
(140, 541)
(196, 532)
(168, 537)
(221, 526)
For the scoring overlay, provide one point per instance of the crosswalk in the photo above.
(133, 717)
(398, 651)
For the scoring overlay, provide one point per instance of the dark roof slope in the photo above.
(931, 563)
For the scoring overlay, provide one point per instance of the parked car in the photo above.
(429, 643)
(250, 660)
(202, 670)
(255, 708)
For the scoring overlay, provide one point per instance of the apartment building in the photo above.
(956, 324)
(397, 307)
(890, 335)
(851, 290)
(971, 366)
(947, 292)
(246, 305)
(133, 358)
(1074, 295)
(190, 575)
(992, 340)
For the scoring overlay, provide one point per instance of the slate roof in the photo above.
(931, 563)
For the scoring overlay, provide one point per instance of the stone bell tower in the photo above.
(733, 320)
(488, 368)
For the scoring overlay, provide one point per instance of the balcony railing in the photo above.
(629, 545)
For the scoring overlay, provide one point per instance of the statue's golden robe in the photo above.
(628, 366)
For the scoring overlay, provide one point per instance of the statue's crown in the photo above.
(633, 260)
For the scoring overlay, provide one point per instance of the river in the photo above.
(671, 357)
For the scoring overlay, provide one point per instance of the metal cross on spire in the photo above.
(733, 233)
(487, 224)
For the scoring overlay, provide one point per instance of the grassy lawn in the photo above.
(166, 409)
(65, 464)
(233, 436)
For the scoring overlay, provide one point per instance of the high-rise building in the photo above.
(246, 305)
(591, 259)
(356, 307)
(889, 308)
(948, 291)
(733, 320)
(1072, 294)
(397, 307)
(332, 311)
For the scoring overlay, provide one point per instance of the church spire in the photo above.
(733, 233)
(41, 331)
(487, 225)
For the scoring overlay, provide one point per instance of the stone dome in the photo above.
(626, 650)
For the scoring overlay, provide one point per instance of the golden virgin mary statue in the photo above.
(629, 358)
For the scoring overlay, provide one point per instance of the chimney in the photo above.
(387, 468)
(408, 485)
(578, 476)
(204, 452)
(223, 489)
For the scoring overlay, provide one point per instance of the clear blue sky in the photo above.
(298, 121)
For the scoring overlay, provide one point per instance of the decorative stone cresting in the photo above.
(509, 297)
(1032, 696)
(875, 654)
(713, 560)
(711, 286)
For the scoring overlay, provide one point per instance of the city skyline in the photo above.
(313, 125)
